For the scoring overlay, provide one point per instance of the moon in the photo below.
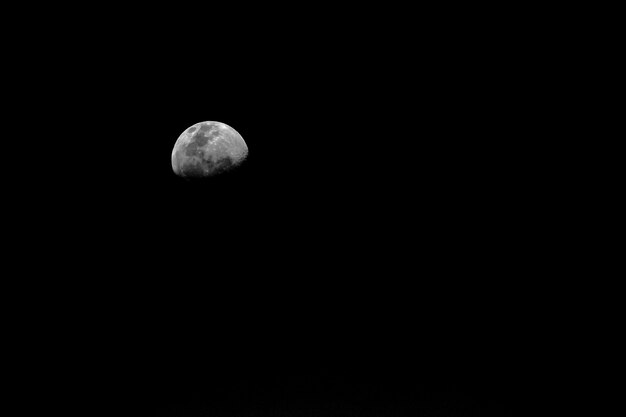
(206, 149)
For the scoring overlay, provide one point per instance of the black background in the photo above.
(375, 255)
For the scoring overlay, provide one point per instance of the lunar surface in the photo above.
(206, 149)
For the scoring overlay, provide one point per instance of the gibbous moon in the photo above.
(206, 149)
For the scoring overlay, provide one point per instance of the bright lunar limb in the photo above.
(206, 149)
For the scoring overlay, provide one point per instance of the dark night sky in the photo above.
(373, 253)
